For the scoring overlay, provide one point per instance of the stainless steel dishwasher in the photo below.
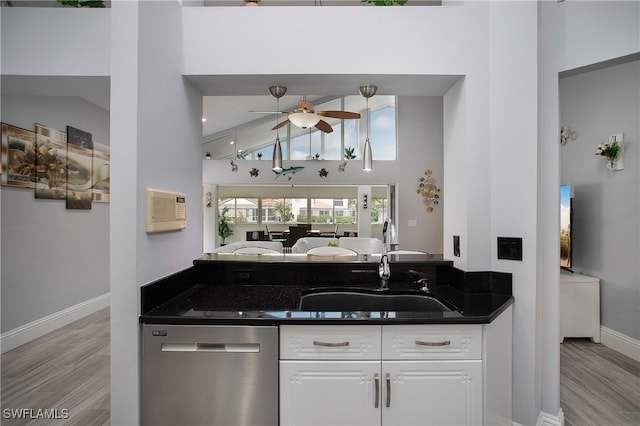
(209, 375)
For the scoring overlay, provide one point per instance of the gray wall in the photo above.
(52, 258)
(606, 226)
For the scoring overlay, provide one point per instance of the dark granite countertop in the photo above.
(266, 290)
(272, 304)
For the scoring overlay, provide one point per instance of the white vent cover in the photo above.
(166, 211)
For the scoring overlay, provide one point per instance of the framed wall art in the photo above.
(18, 156)
(51, 163)
(79, 170)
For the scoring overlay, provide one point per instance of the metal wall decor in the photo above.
(428, 190)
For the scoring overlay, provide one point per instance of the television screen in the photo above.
(566, 213)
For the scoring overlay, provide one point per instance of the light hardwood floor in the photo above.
(598, 386)
(69, 369)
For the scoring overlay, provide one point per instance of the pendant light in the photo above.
(367, 91)
(277, 92)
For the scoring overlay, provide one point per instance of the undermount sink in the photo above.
(372, 300)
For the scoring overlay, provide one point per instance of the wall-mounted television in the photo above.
(566, 216)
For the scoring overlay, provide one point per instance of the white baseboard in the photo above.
(546, 419)
(619, 342)
(28, 332)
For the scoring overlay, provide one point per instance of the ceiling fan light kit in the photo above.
(304, 116)
(368, 91)
(303, 119)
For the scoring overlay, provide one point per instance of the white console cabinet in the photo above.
(579, 306)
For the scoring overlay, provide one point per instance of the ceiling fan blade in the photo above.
(324, 126)
(338, 114)
(270, 112)
(284, 123)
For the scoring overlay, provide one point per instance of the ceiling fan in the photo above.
(304, 116)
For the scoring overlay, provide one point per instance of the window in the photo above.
(383, 133)
(288, 210)
(239, 210)
(257, 137)
(379, 210)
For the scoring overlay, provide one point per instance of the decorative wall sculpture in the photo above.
(428, 190)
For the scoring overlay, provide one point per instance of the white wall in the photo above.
(513, 181)
(76, 41)
(606, 225)
(54, 258)
(156, 128)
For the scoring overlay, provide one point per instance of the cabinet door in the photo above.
(329, 393)
(432, 393)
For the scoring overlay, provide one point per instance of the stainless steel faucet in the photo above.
(383, 269)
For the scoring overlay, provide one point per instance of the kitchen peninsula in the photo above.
(239, 319)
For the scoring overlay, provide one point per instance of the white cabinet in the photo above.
(394, 374)
(579, 306)
(432, 393)
(329, 393)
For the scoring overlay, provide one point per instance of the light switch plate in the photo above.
(456, 245)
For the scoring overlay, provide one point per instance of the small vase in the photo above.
(612, 163)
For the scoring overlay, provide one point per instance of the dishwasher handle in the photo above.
(212, 347)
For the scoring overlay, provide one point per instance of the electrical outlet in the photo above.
(413, 223)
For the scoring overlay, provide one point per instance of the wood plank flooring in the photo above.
(67, 369)
(598, 386)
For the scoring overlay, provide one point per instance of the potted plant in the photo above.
(610, 151)
(207, 155)
(259, 156)
(224, 230)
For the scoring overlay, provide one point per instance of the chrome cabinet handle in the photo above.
(376, 378)
(443, 343)
(388, 390)
(330, 345)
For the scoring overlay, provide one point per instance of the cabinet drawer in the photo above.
(343, 342)
(432, 342)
